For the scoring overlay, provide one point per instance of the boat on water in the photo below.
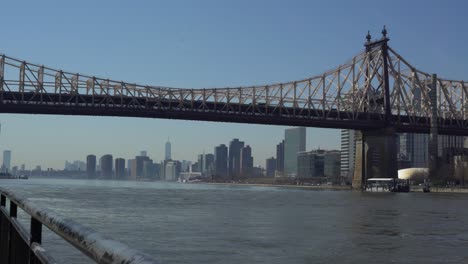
(387, 185)
(24, 177)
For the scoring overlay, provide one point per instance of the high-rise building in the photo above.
(348, 153)
(331, 166)
(91, 166)
(246, 159)
(201, 163)
(136, 172)
(105, 163)
(149, 172)
(415, 147)
(120, 169)
(167, 152)
(310, 164)
(235, 147)
(209, 164)
(221, 161)
(144, 153)
(7, 160)
(172, 170)
(270, 165)
(294, 142)
(280, 158)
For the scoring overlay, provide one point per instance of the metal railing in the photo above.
(19, 245)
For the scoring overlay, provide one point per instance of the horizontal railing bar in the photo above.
(94, 245)
(41, 254)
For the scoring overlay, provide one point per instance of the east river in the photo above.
(201, 223)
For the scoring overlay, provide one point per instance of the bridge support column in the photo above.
(376, 156)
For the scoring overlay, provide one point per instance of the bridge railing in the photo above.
(19, 245)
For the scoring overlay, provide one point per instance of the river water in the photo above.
(200, 223)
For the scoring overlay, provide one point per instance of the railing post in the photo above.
(36, 237)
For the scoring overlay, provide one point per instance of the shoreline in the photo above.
(454, 190)
(318, 188)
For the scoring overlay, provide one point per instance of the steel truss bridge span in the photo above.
(376, 89)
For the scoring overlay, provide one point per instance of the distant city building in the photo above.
(310, 164)
(105, 163)
(414, 148)
(209, 165)
(294, 142)
(348, 153)
(91, 166)
(144, 153)
(172, 170)
(221, 161)
(14, 171)
(167, 152)
(137, 167)
(149, 170)
(270, 165)
(235, 147)
(246, 159)
(280, 159)
(7, 160)
(76, 165)
(185, 165)
(201, 163)
(332, 162)
(120, 169)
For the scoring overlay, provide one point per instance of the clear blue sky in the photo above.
(201, 44)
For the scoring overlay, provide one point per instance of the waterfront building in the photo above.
(414, 148)
(280, 159)
(167, 151)
(149, 170)
(348, 153)
(246, 161)
(170, 171)
(209, 165)
(7, 160)
(331, 165)
(105, 163)
(120, 169)
(310, 164)
(270, 165)
(91, 166)
(221, 161)
(294, 142)
(235, 147)
(201, 163)
(137, 167)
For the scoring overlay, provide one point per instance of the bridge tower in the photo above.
(376, 150)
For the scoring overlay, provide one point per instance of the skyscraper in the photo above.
(167, 153)
(136, 172)
(294, 142)
(209, 164)
(270, 167)
(120, 169)
(91, 166)
(280, 158)
(221, 161)
(348, 153)
(7, 160)
(246, 159)
(143, 153)
(235, 147)
(106, 166)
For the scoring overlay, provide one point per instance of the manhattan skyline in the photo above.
(204, 44)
